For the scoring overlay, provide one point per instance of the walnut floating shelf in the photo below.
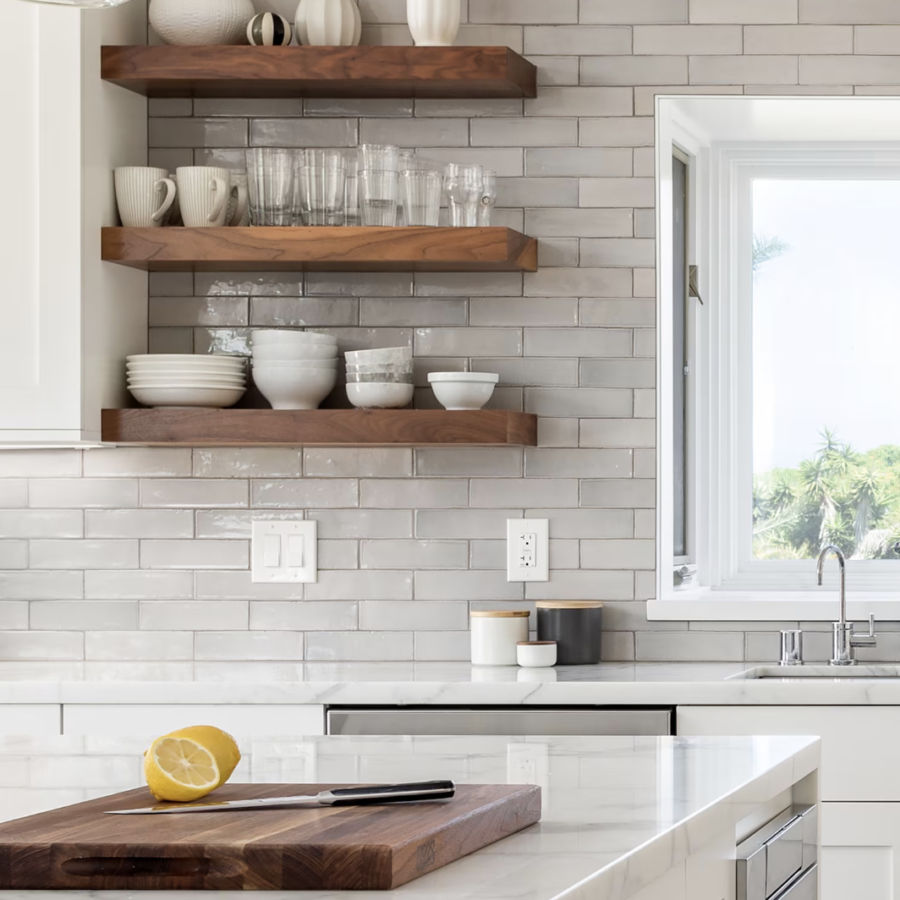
(322, 427)
(321, 249)
(418, 72)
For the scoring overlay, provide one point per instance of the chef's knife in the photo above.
(357, 796)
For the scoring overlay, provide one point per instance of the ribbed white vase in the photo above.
(433, 23)
(328, 23)
(194, 22)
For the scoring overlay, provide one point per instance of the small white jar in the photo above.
(496, 634)
(536, 654)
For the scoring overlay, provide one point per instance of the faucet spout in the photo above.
(842, 566)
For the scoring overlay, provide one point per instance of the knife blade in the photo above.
(356, 796)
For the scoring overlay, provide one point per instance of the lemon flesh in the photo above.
(188, 764)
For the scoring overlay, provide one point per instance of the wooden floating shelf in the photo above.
(417, 72)
(322, 427)
(321, 249)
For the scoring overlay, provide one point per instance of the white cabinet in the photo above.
(68, 319)
(124, 720)
(30, 719)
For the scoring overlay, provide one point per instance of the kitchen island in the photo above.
(622, 816)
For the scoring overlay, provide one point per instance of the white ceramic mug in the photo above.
(238, 206)
(144, 195)
(203, 195)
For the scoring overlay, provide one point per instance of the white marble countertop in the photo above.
(440, 684)
(618, 812)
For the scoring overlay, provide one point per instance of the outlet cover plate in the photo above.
(284, 551)
(527, 549)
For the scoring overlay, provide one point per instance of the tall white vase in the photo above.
(433, 23)
(192, 22)
(328, 23)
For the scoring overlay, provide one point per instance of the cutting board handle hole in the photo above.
(141, 866)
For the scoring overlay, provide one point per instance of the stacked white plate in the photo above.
(294, 369)
(182, 379)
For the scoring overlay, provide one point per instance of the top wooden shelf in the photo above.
(418, 72)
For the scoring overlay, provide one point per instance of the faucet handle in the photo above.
(865, 640)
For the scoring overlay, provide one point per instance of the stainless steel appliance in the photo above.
(500, 721)
(780, 861)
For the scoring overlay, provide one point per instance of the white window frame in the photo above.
(732, 585)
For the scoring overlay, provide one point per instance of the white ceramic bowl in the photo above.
(185, 381)
(287, 352)
(380, 396)
(388, 355)
(462, 390)
(295, 388)
(187, 396)
(189, 359)
(380, 367)
(140, 372)
(267, 338)
(331, 364)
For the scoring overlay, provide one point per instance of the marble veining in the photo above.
(618, 812)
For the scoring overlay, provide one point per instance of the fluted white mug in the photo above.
(203, 193)
(144, 194)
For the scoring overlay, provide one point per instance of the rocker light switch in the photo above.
(284, 552)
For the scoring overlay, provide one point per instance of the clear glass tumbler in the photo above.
(420, 193)
(321, 180)
(488, 198)
(351, 190)
(379, 157)
(463, 185)
(270, 183)
(378, 196)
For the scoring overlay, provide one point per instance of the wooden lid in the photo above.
(499, 613)
(535, 643)
(569, 604)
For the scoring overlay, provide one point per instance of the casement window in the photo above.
(779, 353)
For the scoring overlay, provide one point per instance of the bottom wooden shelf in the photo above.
(322, 427)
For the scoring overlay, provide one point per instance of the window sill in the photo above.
(799, 606)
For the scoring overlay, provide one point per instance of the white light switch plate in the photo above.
(527, 549)
(284, 552)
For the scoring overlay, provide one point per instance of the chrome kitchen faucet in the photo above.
(844, 640)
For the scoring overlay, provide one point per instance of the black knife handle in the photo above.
(392, 793)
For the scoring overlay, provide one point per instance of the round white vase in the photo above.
(328, 23)
(194, 22)
(433, 23)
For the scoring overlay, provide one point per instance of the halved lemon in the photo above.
(190, 763)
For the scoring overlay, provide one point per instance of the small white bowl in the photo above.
(536, 654)
(331, 364)
(296, 388)
(267, 338)
(187, 396)
(462, 390)
(287, 352)
(380, 396)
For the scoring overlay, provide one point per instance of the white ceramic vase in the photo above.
(194, 22)
(433, 23)
(328, 23)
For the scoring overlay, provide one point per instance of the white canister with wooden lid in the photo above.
(496, 634)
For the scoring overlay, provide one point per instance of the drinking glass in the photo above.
(351, 189)
(463, 185)
(488, 198)
(379, 157)
(420, 192)
(378, 190)
(270, 181)
(321, 181)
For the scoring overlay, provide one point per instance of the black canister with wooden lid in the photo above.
(575, 625)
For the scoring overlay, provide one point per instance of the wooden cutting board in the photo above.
(329, 848)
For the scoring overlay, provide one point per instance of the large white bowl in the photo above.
(295, 388)
(331, 364)
(380, 396)
(267, 338)
(287, 352)
(187, 396)
(462, 390)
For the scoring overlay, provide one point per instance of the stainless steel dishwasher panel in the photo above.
(482, 721)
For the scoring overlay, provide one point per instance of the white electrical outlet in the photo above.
(527, 549)
(284, 552)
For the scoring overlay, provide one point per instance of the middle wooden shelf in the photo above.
(416, 249)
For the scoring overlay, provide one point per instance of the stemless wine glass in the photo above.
(488, 198)
(420, 193)
(270, 182)
(321, 177)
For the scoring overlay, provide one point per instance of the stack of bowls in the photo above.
(294, 369)
(182, 379)
(380, 379)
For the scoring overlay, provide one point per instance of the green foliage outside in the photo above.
(838, 496)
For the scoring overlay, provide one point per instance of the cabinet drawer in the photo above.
(112, 719)
(859, 743)
(42, 718)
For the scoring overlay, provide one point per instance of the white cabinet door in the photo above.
(859, 743)
(860, 851)
(25, 719)
(242, 720)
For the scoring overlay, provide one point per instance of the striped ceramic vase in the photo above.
(433, 23)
